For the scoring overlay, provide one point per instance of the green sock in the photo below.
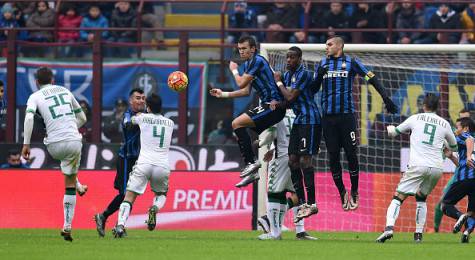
(438, 214)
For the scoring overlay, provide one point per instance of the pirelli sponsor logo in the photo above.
(336, 74)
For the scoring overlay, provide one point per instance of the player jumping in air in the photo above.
(337, 71)
(258, 75)
(429, 132)
(463, 181)
(306, 131)
(62, 116)
(152, 164)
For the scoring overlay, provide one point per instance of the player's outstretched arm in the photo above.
(216, 92)
(241, 81)
(469, 142)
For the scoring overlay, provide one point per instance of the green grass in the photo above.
(142, 244)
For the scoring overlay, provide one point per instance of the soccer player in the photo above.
(152, 164)
(336, 71)
(428, 135)
(258, 75)
(62, 116)
(437, 210)
(128, 154)
(280, 182)
(306, 129)
(463, 180)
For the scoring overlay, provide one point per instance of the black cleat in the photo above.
(152, 217)
(418, 237)
(119, 231)
(304, 236)
(264, 223)
(66, 234)
(460, 222)
(465, 237)
(100, 224)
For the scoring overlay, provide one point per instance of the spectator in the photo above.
(241, 17)
(152, 19)
(14, 161)
(315, 21)
(123, 16)
(218, 135)
(69, 19)
(281, 16)
(468, 22)
(336, 19)
(112, 124)
(42, 17)
(444, 18)
(86, 129)
(93, 20)
(3, 103)
(367, 17)
(409, 18)
(7, 20)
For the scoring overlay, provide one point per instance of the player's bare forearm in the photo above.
(243, 92)
(243, 81)
(291, 95)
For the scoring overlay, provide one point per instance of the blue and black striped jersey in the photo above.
(263, 79)
(337, 85)
(305, 108)
(130, 147)
(463, 172)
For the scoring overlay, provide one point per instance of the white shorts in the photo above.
(142, 173)
(419, 178)
(69, 153)
(279, 175)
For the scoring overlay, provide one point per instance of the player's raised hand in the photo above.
(25, 151)
(215, 92)
(390, 106)
(277, 76)
(274, 104)
(233, 65)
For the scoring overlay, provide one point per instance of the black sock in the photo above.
(290, 203)
(309, 178)
(354, 177)
(451, 211)
(114, 205)
(297, 181)
(335, 168)
(245, 146)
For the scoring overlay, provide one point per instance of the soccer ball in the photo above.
(177, 81)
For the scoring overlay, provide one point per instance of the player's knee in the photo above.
(305, 162)
(293, 163)
(421, 197)
(236, 124)
(278, 197)
(399, 197)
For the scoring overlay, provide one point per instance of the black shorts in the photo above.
(339, 132)
(124, 167)
(305, 139)
(458, 190)
(264, 117)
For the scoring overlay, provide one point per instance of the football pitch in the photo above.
(160, 244)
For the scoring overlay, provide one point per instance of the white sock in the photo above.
(299, 226)
(77, 183)
(421, 214)
(69, 203)
(273, 213)
(124, 212)
(159, 201)
(393, 213)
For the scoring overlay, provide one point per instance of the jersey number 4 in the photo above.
(59, 101)
(161, 135)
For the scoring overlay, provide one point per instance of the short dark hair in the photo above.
(44, 75)
(247, 38)
(431, 101)
(339, 38)
(138, 90)
(464, 110)
(297, 50)
(467, 122)
(154, 102)
(13, 152)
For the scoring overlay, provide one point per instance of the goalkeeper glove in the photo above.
(390, 106)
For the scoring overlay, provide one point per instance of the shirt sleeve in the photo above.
(75, 104)
(254, 66)
(136, 120)
(405, 126)
(361, 70)
(31, 105)
(127, 119)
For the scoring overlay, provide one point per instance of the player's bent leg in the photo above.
(240, 126)
(276, 205)
(158, 203)
(69, 204)
(335, 168)
(297, 178)
(391, 217)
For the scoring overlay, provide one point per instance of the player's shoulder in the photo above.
(162, 117)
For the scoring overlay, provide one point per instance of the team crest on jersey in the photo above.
(293, 79)
(343, 65)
